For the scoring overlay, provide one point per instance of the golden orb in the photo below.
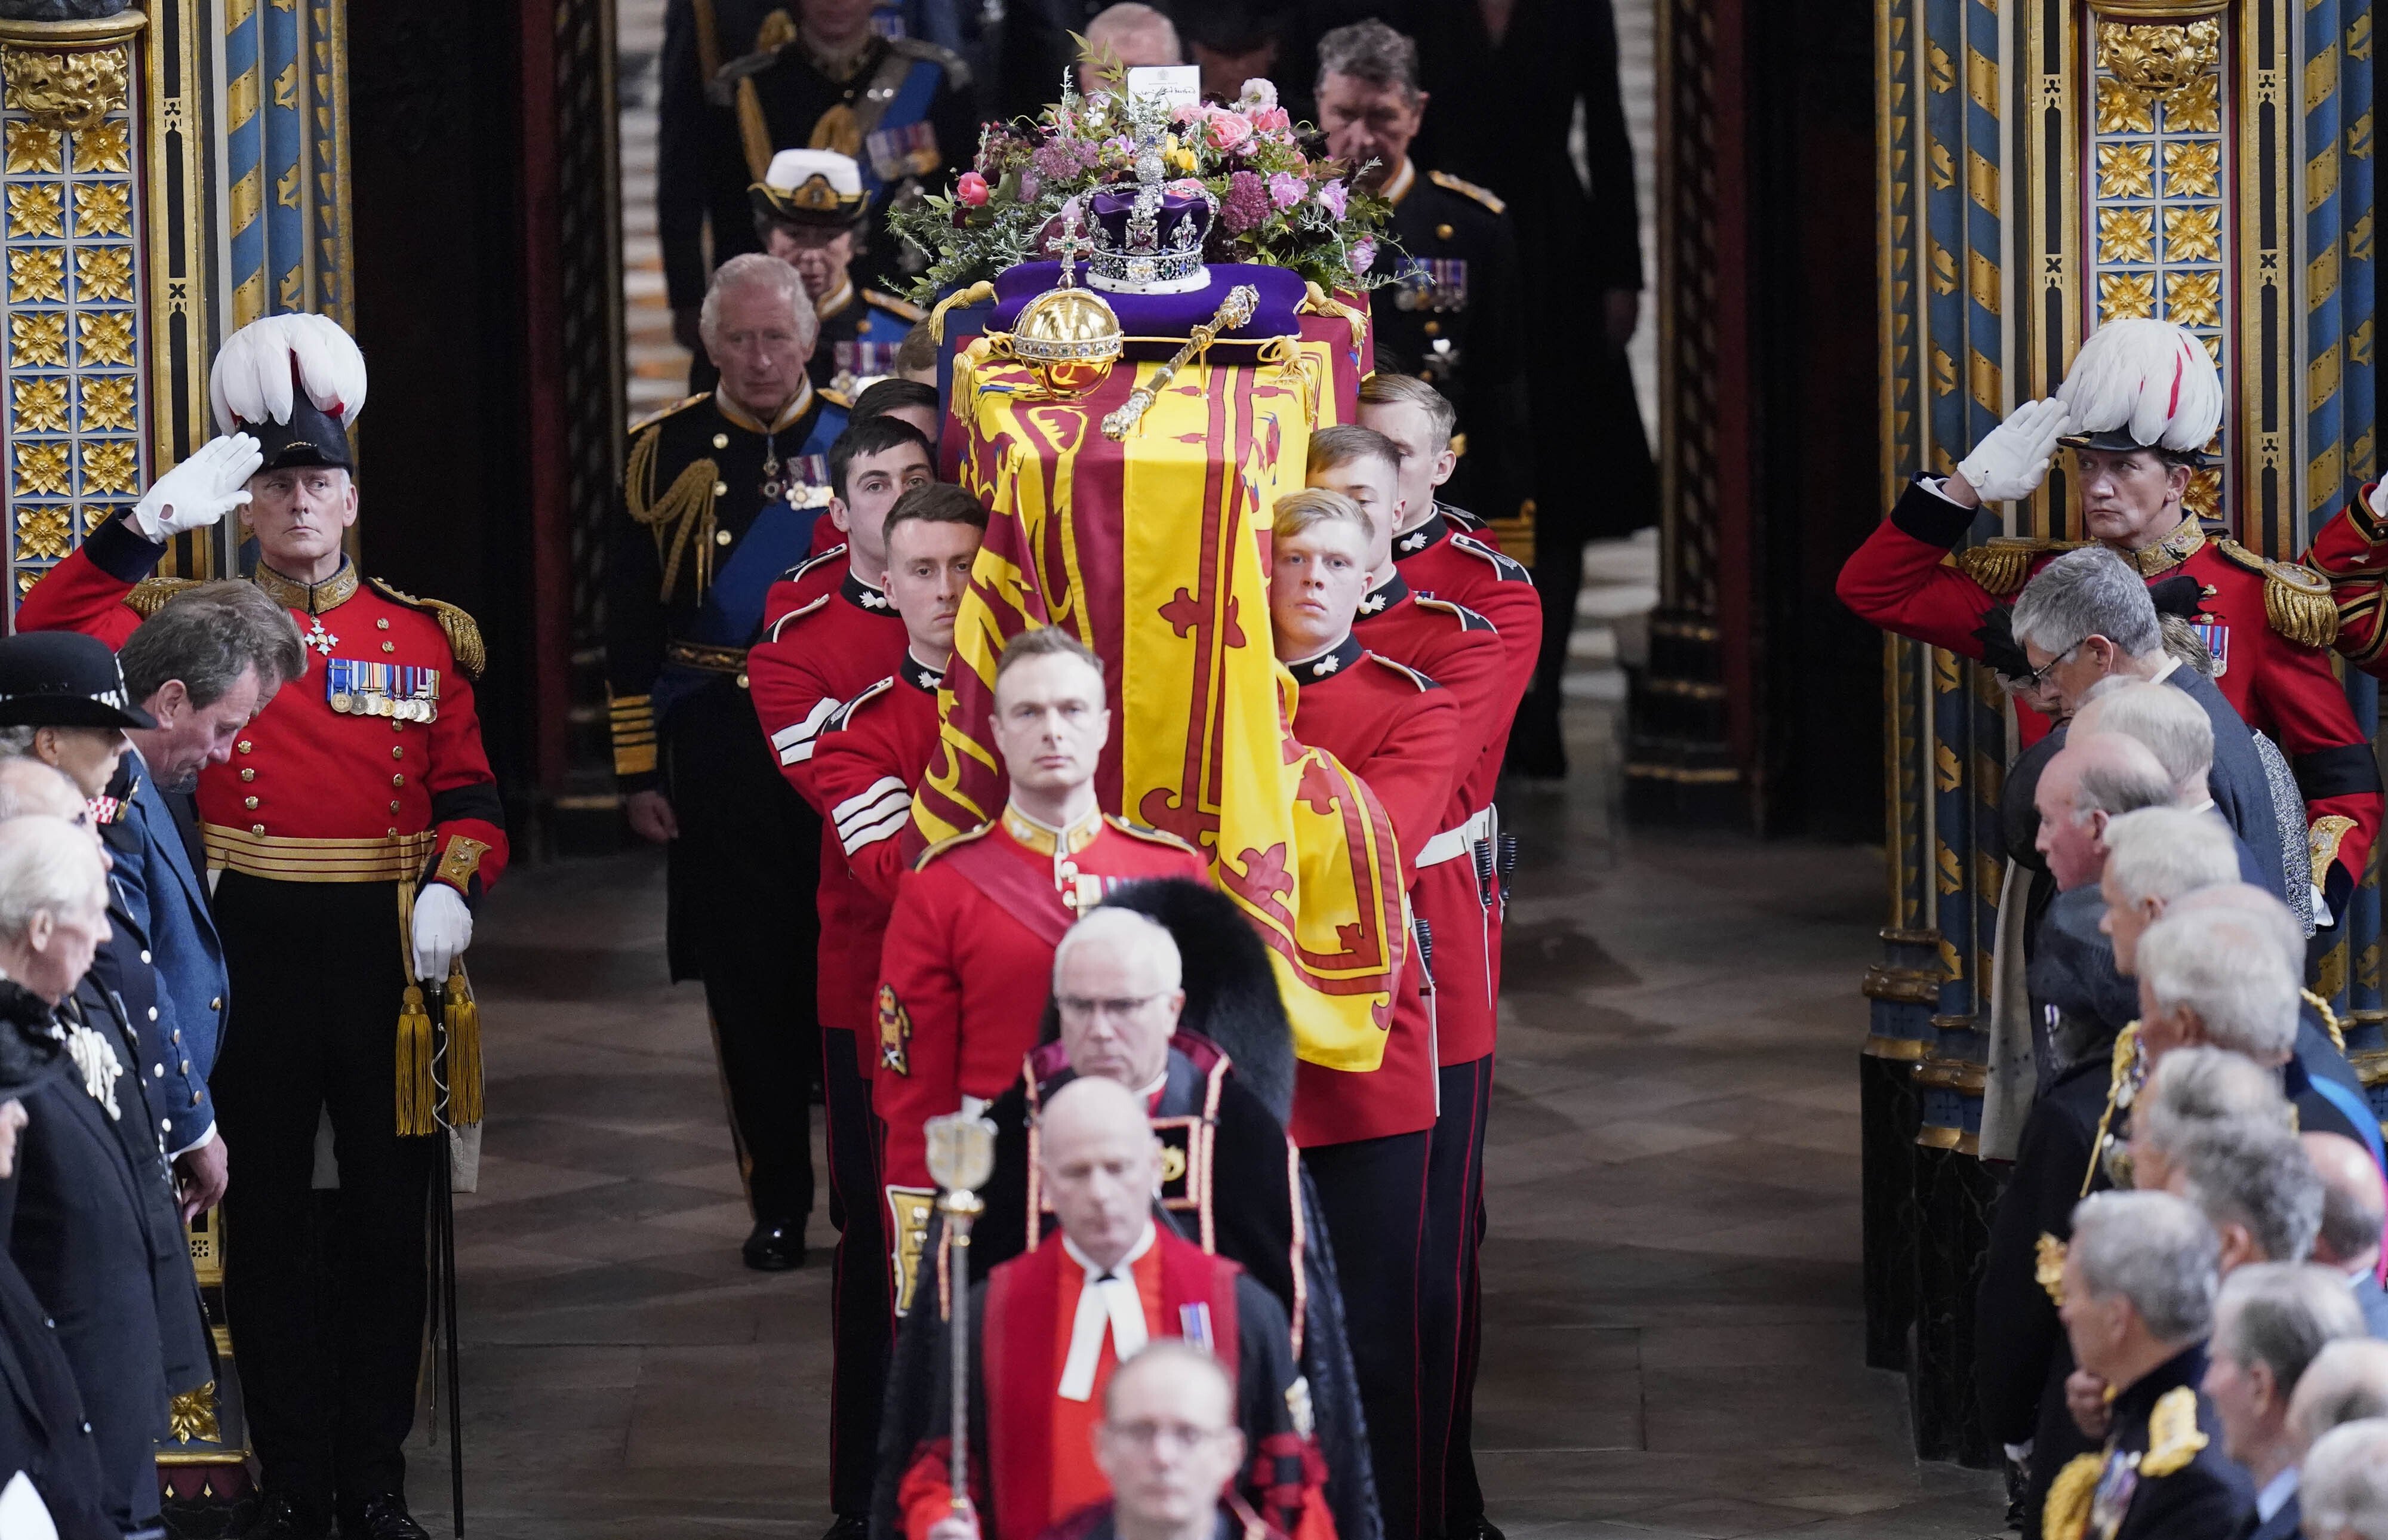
(1071, 335)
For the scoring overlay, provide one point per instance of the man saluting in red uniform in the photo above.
(359, 799)
(2137, 409)
(969, 958)
(866, 762)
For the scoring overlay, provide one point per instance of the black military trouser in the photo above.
(1450, 1294)
(861, 1301)
(318, 979)
(743, 918)
(1373, 1192)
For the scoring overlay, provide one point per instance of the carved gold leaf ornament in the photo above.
(37, 272)
(2194, 298)
(65, 90)
(107, 403)
(42, 530)
(2123, 110)
(41, 406)
(107, 337)
(108, 467)
(2125, 234)
(2126, 296)
(2194, 235)
(34, 340)
(31, 147)
(103, 147)
(193, 1416)
(2196, 108)
(40, 469)
(2124, 170)
(104, 273)
(103, 208)
(2158, 60)
(35, 211)
(2205, 495)
(2192, 167)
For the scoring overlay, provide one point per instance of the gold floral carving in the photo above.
(103, 208)
(2205, 495)
(108, 467)
(37, 272)
(35, 211)
(2126, 296)
(2124, 170)
(107, 337)
(104, 273)
(41, 468)
(2194, 298)
(2159, 60)
(41, 406)
(103, 147)
(64, 90)
(2123, 110)
(42, 530)
(26, 579)
(2125, 234)
(32, 147)
(193, 1416)
(2192, 167)
(2197, 106)
(2194, 235)
(37, 339)
(108, 402)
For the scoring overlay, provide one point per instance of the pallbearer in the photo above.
(354, 823)
(718, 498)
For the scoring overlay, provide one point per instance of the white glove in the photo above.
(199, 491)
(443, 928)
(2009, 461)
(2378, 499)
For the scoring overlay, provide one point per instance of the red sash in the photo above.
(1018, 1361)
(1012, 885)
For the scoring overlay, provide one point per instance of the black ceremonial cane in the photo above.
(443, 1277)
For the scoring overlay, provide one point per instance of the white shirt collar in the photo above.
(2276, 1495)
(1134, 1253)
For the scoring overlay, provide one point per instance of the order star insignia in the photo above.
(317, 638)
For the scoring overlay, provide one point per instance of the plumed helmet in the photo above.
(2142, 385)
(297, 383)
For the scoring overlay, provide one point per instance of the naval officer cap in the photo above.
(295, 384)
(816, 187)
(64, 679)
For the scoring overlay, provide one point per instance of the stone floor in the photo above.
(1673, 1323)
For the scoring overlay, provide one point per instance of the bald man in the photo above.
(1107, 1280)
(2352, 1214)
(2347, 1382)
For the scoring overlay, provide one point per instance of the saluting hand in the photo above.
(201, 490)
(2011, 458)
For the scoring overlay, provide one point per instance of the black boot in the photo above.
(381, 1517)
(848, 1526)
(774, 1247)
(285, 1518)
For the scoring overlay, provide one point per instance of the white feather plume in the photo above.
(2151, 378)
(261, 368)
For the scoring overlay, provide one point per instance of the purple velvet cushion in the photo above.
(1167, 319)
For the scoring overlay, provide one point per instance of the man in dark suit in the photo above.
(2352, 1214)
(2210, 755)
(2270, 1322)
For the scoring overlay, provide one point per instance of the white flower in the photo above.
(1257, 92)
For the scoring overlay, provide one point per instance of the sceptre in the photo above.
(961, 1157)
(1234, 311)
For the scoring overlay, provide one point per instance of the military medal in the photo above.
(772, 484)
(317, 638)
(398, 692)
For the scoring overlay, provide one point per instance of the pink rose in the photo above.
(971, 189)
(1287, 189)
(1272, 120)
(1227, 130)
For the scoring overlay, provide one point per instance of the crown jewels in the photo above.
(1149, 240)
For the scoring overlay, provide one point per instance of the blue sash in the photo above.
(896, 143)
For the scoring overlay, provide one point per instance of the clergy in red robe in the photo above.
(1048, 1330)
(969, 956)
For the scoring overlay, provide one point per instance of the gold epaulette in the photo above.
(2066, 1514)
(1484, 195)
(777, 31)
(150, 594)
(888, 302)
(949, 842)
(651, 419)
(837, 399)
(2127, 1052)
(2174, 1438)
(2296, 599)
(464, 634)
(1148, 833)
(2001, 565)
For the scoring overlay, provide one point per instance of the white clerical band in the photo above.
(1453, 843)
(795, 743)
(874, 813)
(1106, 1303)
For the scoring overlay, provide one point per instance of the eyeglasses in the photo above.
(2038, 676)
(1078, 1008)
(1152, 1436)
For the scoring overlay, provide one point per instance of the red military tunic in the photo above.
(835, 637)
(966, 970)
(1458, 650)
(2352, 551)
(865, 764)
(1398, 731)
(313, 791)
(2267, 623)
